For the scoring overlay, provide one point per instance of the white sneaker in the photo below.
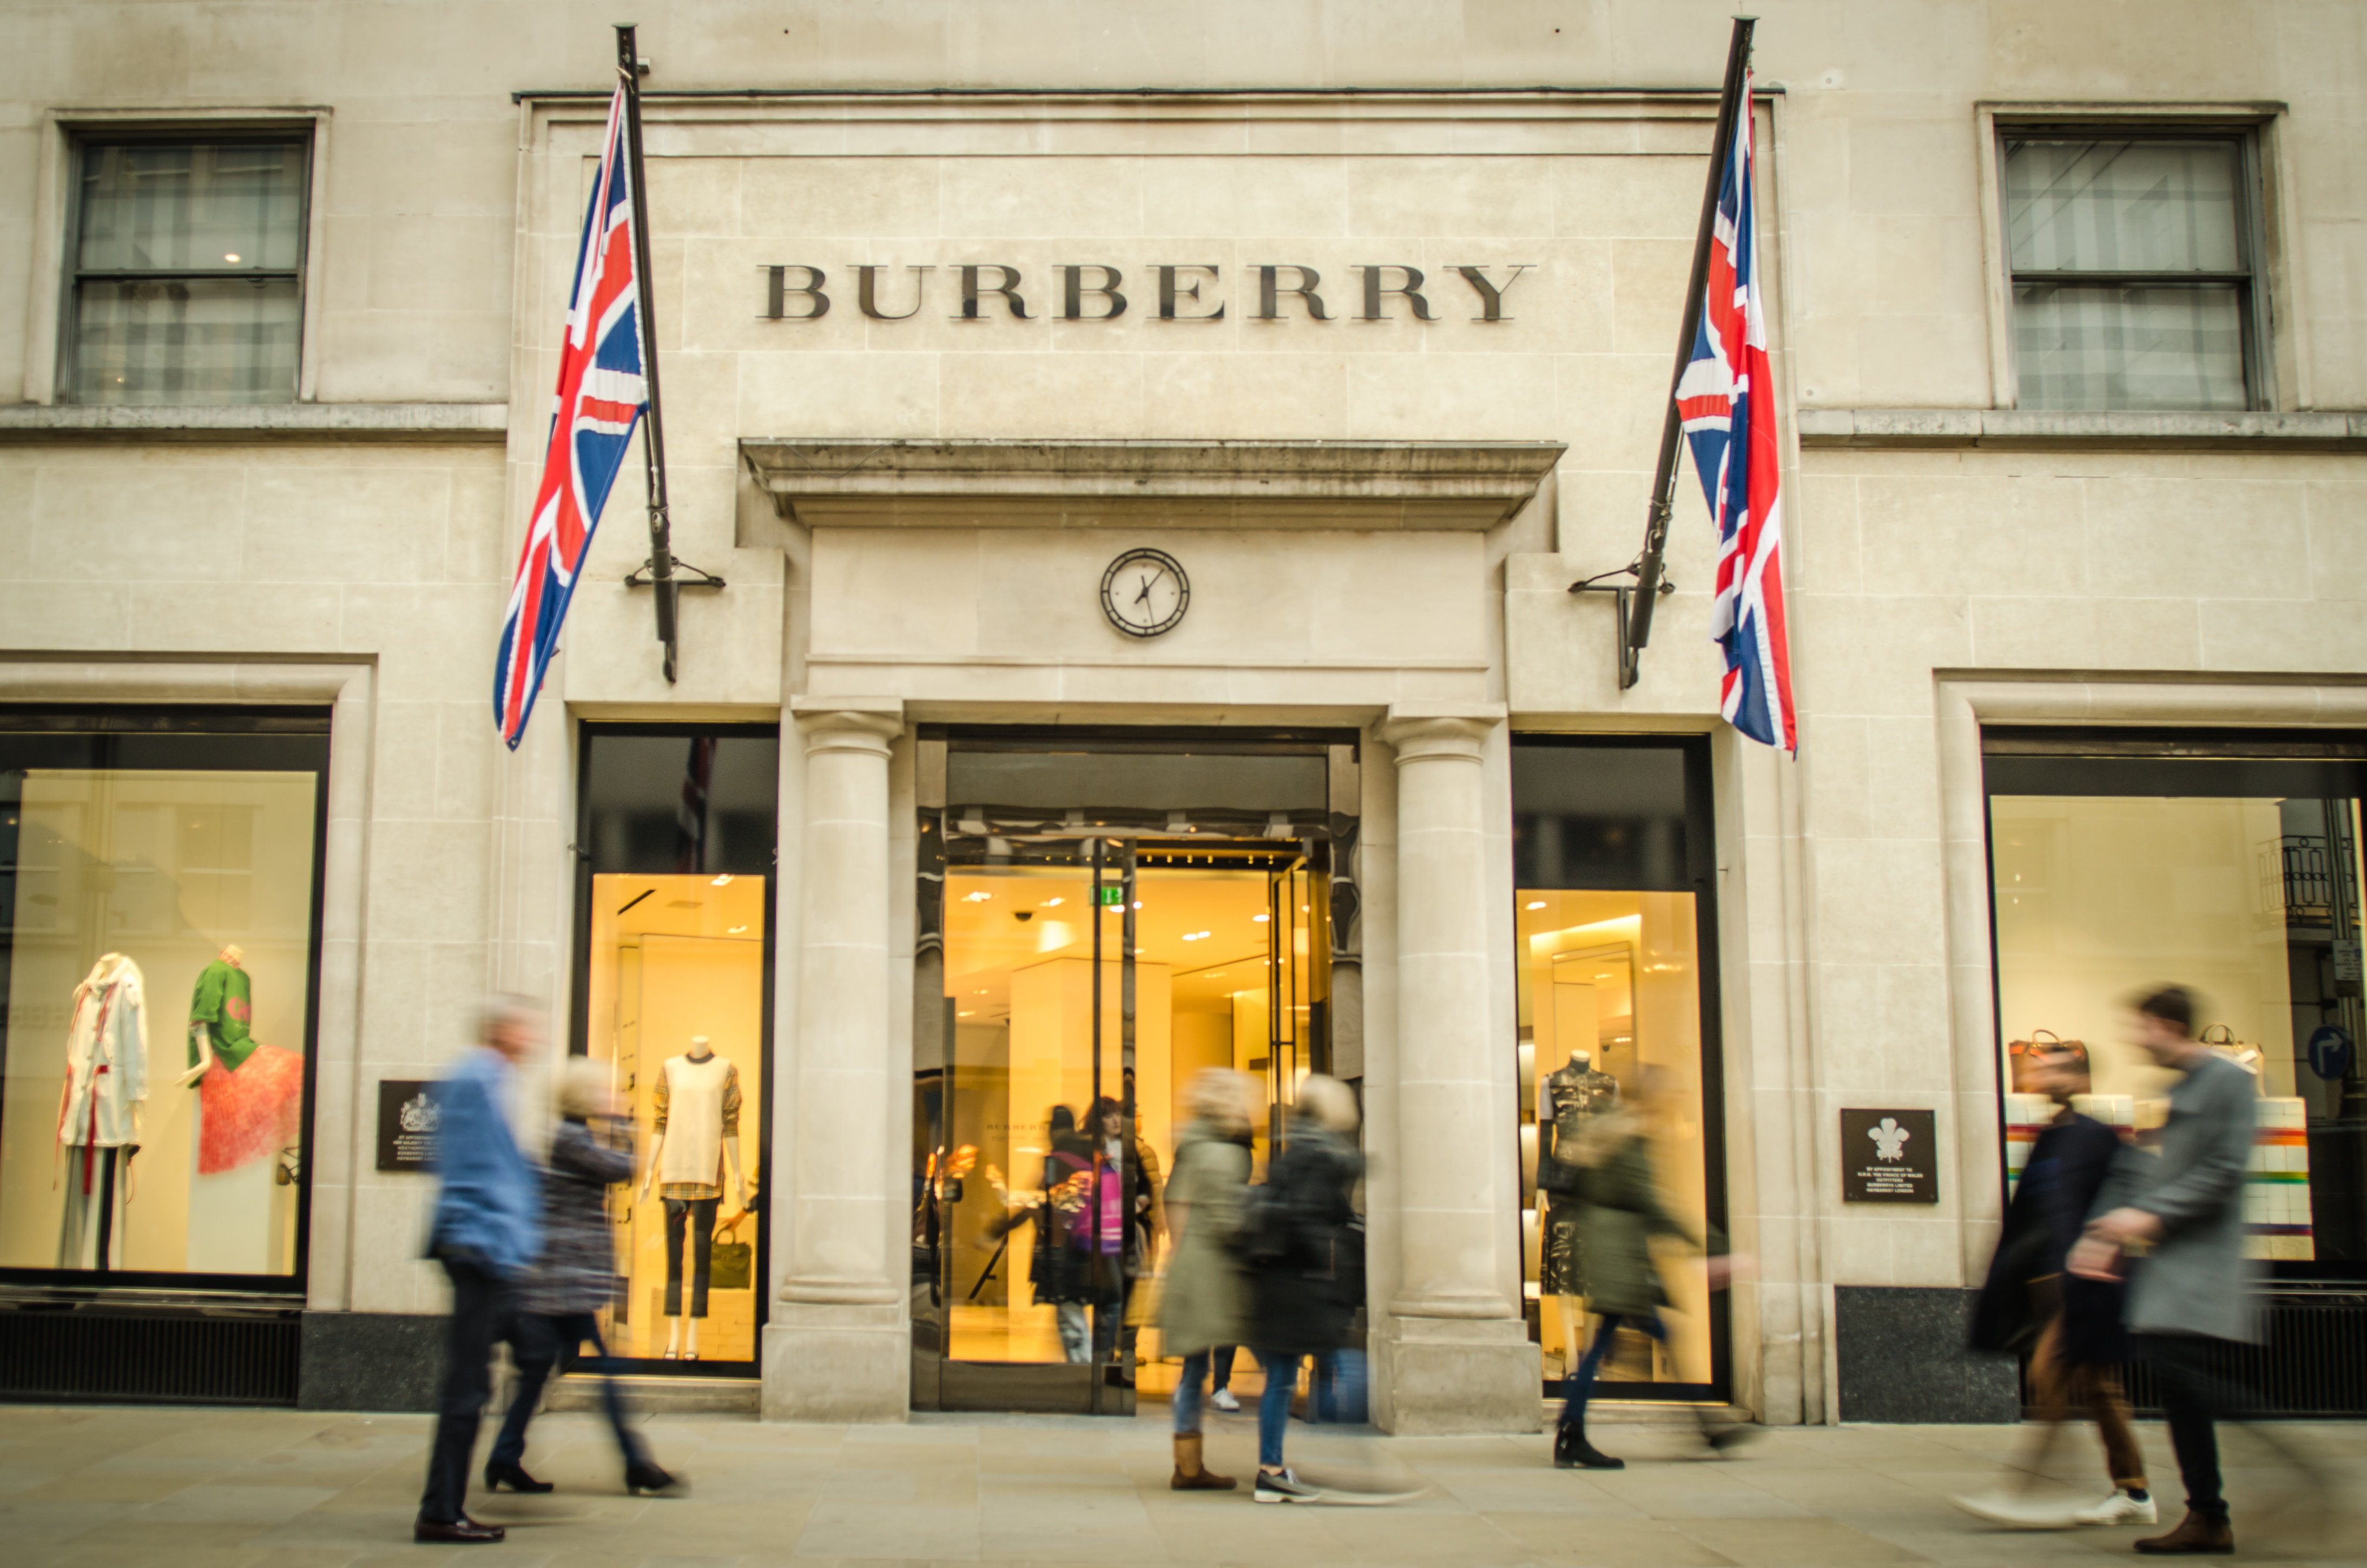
(1223, 1400)
(2120, 1508)
(2018, 1513)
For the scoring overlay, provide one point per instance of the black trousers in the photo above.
(2194, 1397)
(482, 1311)
(544, 1345)
(696, 1215)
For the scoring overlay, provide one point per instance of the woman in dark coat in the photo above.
(573, 1279)
(2070, 1326)
(1299, 1305)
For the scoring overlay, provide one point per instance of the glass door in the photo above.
(1069, 990)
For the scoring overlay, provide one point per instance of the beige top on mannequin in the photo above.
(698, 1127)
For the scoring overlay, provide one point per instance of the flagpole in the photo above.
(1650, 573)
(661, 577)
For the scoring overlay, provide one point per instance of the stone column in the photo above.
(1460, 1356)
(838, 1348)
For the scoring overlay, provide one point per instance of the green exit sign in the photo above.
(1113, 895)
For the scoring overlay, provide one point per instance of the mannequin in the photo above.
(1571, 1096)
(99, 1113)
(250, 1096)
(697, 1140)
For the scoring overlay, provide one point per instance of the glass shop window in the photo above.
(2225, 862)
(159, 956)
(187, 271)
(1616, 973)
(675, 924)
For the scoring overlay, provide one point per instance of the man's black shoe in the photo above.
(462, 1531)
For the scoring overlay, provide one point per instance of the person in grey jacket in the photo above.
(1205, 1303)
(2194, 1288)
(574, 1277)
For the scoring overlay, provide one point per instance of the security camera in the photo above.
(1023, 915)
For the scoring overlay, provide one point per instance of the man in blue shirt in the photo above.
(487, 1228)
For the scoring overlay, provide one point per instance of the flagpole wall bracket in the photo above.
(685, 576)
(1624, 600)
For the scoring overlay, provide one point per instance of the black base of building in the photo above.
(1902, 1358)
(86, 1352)
(371, 1361)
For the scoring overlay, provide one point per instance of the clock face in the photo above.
(1144, 593)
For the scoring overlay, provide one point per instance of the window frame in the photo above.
(2262, 285)
(48, 377)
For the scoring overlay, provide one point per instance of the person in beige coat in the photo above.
(1205, 1303)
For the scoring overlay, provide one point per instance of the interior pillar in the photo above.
(838, 1347)
(1459, 1355)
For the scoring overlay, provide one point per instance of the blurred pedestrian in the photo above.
(1204, 1307)
(575, 1277)
(1291, 1240)
(487, 1230)
(1128, 1176)
(2192, 1293)
(1615, 1180)
(2069, 1326)
(1221, 1373)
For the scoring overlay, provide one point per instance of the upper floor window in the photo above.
(2134, 272)
(187, 271)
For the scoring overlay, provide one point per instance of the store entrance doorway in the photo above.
(1079, 982)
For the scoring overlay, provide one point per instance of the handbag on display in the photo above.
(732, 1265)
(2018, 1052)
(2242, 1054)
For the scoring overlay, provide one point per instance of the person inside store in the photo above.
(1058, 1263)
(2193, 1295)
(1290, 1239)
(1612, 1171)
(1204, 1305)
(2070, 1326)
(574, 1277)
(1128, 1172)
(486, 1233)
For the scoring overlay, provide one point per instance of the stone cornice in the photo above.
(1228, 484)
(486, 422)
(2335, 430)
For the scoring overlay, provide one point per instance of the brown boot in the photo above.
(2195, 1537)
(1191, 1475)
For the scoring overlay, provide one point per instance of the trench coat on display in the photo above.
(577, 1270)
(2196, 1279)
(1291, 1237)
(1205, 1303)
(1618, 1192)
(2069, 1166)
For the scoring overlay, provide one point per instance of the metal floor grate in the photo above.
(2314, 1363)
(149, 1357)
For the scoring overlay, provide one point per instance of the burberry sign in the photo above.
(1185, 291)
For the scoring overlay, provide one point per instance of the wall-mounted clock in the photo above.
(1145, 593)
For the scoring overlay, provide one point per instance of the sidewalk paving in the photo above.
(116, 1487)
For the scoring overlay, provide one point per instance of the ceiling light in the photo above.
(1052, 903)
(976, 897)
(722, 881)
(1138, 903)
(735, 930)
(1534, 904)
(1261, 919)
(230, 255)
(965, 1013)
(979, 992)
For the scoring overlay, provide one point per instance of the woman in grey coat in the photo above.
(574, 1278)
(1205, 1304)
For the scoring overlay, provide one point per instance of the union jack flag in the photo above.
(602, 396)
(1727, 397)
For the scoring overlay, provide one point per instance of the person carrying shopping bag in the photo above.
(1204, 1304)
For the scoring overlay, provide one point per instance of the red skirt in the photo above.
(249, 1113)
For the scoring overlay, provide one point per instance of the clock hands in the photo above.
(1144, 597)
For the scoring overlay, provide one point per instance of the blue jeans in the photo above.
(1574, 1410)
(541, 1345)
(1274, 1406)
(1187, 1393)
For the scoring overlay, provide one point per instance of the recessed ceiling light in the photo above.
(976, 897)
(1261, 919)
(1534, 904)
(1052, 903)
(722, 881)
(965, 1013)
(230, 255)
(735, 930)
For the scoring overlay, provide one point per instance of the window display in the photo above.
(673, 1002)
(140, 1135)
(1612, 970)
(2228, 864)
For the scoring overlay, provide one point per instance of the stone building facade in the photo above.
(2143, 516)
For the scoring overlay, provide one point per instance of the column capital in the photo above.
(1457, 731)
(848, 724)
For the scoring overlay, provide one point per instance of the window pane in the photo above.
(2123, 206)
(187, 340)
(148, 207)
(2129, 348)
(135, 906)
